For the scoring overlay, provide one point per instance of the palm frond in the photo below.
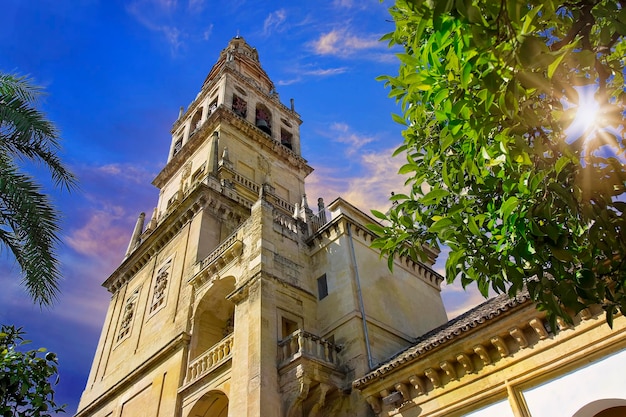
(29, 223)
(29, 226)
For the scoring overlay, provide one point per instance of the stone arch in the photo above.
(213, 317)
(607, 407)
(211, 404)
(263, 118)
(196, 121)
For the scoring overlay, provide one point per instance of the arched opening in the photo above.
(286, 139)
(240, 107)
(608, 407)
(196, 122)
(264, 118)
(214, 317)
(211, 404)
(613, 412)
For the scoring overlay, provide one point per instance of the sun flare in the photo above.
(586, 118)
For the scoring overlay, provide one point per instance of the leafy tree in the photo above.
(25, 388)
(28, 220)
(487, 90)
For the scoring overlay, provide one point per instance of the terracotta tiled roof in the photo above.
(477, 317)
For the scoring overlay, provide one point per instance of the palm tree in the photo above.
(29, 223)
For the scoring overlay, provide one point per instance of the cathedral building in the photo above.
(236, 298)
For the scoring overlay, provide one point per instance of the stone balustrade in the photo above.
(220, 250)
(304, 344)
(210, 359)
(251, 185)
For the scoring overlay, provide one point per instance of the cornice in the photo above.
(478, 317)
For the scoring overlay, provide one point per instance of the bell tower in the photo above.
(236, 299)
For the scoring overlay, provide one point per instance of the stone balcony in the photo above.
(309, 370)
(210, 360)
(301, 344)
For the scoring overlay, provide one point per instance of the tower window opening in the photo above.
(213, 106)
(263, 119)
(322, 287)
(177, 146)
(240, 107)
(196, 122)
(285, 138)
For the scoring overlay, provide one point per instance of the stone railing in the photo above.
(249, 184)
(211, 359)
(286, 222)
(304, 344)
(285, 205)
(220, 250)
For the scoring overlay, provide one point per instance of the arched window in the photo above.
(608, 407)
(214, 317)
(263, 118)
(286, 138)
(211, 404)
(177, 146)
(196, 122)
(240, 107)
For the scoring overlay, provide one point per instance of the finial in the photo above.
(237, 37)
(181, 111)
(136, 237)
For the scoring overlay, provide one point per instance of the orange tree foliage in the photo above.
(487, 90)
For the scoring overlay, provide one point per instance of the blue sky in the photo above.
(117, 72)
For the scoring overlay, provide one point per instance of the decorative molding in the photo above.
(483, 354)
(466, 362)
(539, 328)
(518, 334)
(448, 368)
(432, 374)
(418, 384)
(500, 345)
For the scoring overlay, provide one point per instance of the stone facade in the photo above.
(236, 299)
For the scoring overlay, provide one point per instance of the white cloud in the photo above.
(124, 172)
(207, 32)
(339, 42)
(289, 81)
(326, 72)
(370, 189)
(274, 21)
(313, 73)
(160, 16)
(341, 132)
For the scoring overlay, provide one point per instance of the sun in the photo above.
(586, 119)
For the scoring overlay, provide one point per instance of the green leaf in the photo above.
(440, 225)
(398, 119)
(379, 214)
(407, 168)
(508, 206)
(434, 196)
(466, 74)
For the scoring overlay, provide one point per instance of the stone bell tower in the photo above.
(236, 299)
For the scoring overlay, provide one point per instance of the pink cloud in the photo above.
(104, 236)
